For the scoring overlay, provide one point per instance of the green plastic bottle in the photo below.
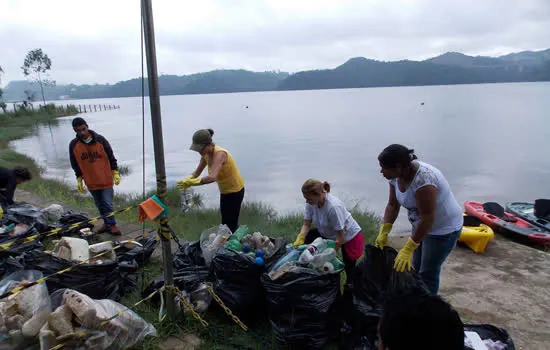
(234, 242)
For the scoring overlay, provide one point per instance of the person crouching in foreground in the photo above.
(332, 221)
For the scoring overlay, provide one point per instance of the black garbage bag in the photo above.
(69, 218)
(129, 274)
(237, 280)
(23, 213)
(99, 281)
(140, 254)
(302, 308)
(374, 281)
(487, 331)
(9, 265)
(18, 244)
(187, 279)
(189, 254)
(190, 270)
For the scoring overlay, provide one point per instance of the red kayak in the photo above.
(493, 215)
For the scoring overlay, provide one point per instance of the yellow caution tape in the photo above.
(17, 242)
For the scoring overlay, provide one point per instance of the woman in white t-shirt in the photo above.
(433, 211)
(332, 221)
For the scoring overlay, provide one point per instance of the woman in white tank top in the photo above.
(433, 212)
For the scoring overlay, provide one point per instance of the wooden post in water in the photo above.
(79, 109)
(85, 111)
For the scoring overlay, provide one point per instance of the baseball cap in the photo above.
(201, 138)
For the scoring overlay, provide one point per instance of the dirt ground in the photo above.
(507, 286)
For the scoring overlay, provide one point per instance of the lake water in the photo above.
(491, 141)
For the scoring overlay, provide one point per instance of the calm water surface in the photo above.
(491, 141)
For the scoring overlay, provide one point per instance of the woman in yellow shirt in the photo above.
(221, 169)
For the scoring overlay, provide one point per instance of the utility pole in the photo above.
(156, 122)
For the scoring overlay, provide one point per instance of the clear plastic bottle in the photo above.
(185, 197)
(293, 255)
(219, 241)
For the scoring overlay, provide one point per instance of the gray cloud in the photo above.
(98, 41)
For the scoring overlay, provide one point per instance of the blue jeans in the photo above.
(430, 255)
(104, 203)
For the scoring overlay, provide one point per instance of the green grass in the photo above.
(187, 226)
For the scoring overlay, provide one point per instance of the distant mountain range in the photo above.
(446, 69)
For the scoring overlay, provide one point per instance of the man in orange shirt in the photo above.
(93, 162)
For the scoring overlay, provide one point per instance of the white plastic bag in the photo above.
(53, 212)
(90, 316)
(24, 313)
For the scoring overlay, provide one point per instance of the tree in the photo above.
(37, 64)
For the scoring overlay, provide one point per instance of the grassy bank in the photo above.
(222, 332)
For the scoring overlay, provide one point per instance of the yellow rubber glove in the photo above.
(188, 182)
(182, 184)
(80, 185)
(1, 212)
(299, 240)
(382, 238)
(404, 257)
(116, 177)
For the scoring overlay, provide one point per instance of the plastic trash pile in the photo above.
(23, 314)
(319, 257)
(79, 250)
(255, 245)
(302, 290)
(80, 314)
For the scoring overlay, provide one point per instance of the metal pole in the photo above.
(156, 122)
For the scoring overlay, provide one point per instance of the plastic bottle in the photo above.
(185, 197)
(219, 241)
(314, 248)
(7, 228)
(293, 255)
(321, 258)
(326, 268)
(234, 241)
(241, 232)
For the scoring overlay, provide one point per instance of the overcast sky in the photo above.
(99, 41)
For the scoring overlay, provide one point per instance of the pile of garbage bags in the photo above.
(106, 276)
(303, 294)
(237, 266)
(109, 273)
(31, 316)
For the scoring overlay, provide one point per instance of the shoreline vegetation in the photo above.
(188, 227)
